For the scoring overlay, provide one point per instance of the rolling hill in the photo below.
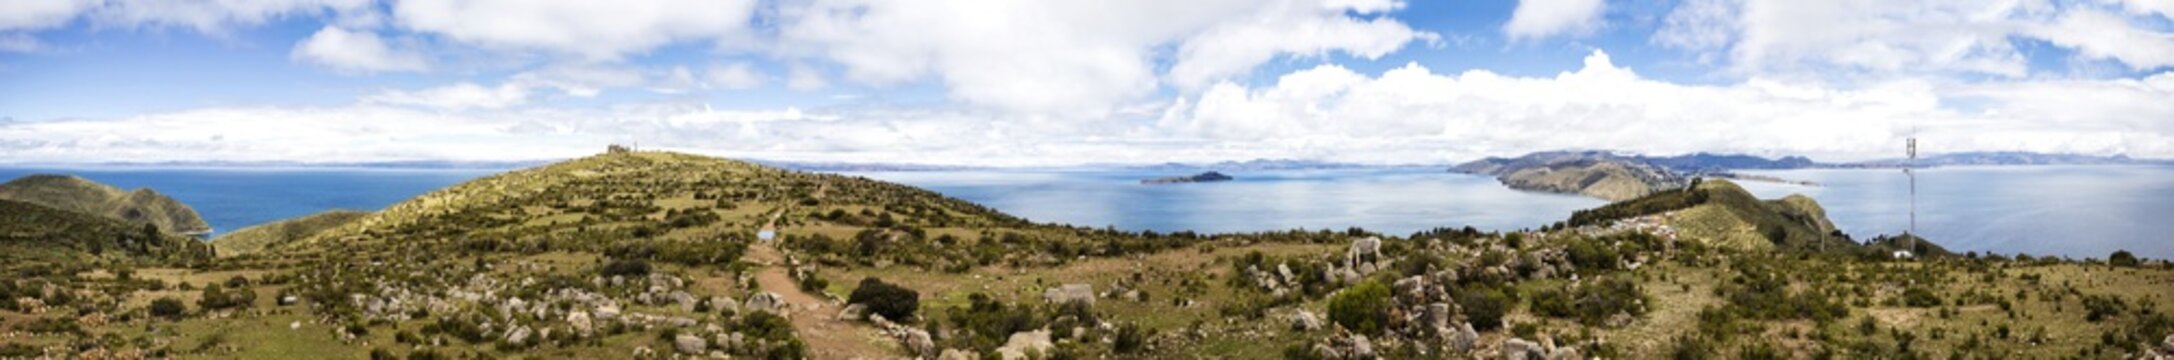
(36, 235)
(139, 206)
(256, 238)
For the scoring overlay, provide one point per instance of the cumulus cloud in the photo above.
(455, 97)
(355, 51)
(1073, 57)
(736, 76)
(1544, 18)
(1410, 114)
(1917, 36)
(595, 30)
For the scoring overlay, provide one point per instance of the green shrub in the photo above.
(2123, 258)
(1591, 304)
(1920, 297)
(167, 307)
(627, 268)
(1363, 308)
(1130, 339)
(891, 301)
(1484, 307)
(1591, 254)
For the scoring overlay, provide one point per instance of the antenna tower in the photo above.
(1911, 234)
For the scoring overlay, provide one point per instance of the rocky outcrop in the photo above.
(1070, 293)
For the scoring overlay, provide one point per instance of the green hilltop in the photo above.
(256, 238)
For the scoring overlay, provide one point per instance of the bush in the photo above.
(1920, 297)
(1362, 309)
(628, 268)
(1592, 254)
(1484, 307)
(1592, 304)
(167, 307)
(891, 301)
(1130, 339)
(216, 297)
(2123, 258)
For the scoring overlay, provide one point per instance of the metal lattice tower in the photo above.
(1911, 234)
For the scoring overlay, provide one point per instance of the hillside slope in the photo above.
(32, 235)
(258, 237)
(1596, 174)
(1720, 213)
(140, 206)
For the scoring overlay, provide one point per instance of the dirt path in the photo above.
(816, 319)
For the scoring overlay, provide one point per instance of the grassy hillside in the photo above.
(256, 238)
(646, 254)
(141, 206)
(35, 236)
(1591, 173)
(1721, 213)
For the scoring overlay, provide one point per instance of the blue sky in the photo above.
(1051, 83)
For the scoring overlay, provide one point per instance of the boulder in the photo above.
(519, 336)
(1437, 316)
(730, 341)
(690, 345)
(607, 312)
(956, 354)
(581, 323)
(1025, 342)
(1519, 349)
(918, 342)
(1305, 321)
(1361, 347)
(1463, 339)
(854, 312)
(1070, 293)
(769, 302)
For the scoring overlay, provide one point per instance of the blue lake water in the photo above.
(2076, 211)
(230, 199)
(1392, 200)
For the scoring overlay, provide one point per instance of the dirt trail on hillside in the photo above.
(816, 319)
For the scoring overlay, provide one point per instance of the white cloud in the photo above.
(456, 97)
(217, 16)
(1414, 114)
(1914, 36)
(594, 30)
(356, 51)
(1405, 115)
(1543, 18)
(35, 15)
(735, 75)
(1072, 57)
(800, 77)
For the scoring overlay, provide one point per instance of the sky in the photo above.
(1043, 83)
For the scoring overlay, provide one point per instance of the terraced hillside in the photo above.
(140, 206)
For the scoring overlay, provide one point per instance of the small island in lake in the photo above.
(1210, 176)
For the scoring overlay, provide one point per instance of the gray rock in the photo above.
(519, 336)
(1519, 349)
(1463, 339)
(956, 354)
(1024, 342)
(607, 312)
(690, 345)
(769, 302)
(854, 312)
(1437, 315)
(1070, 293)
(918, 342)
(1361, 347)
(581, 323)
(1305, 321)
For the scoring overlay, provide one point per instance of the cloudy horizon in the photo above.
(1060, 83)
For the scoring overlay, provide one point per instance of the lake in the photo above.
(2075, 211)
(1390, 200)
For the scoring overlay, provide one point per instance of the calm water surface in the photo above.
(1395, 200)
(2075, 211)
